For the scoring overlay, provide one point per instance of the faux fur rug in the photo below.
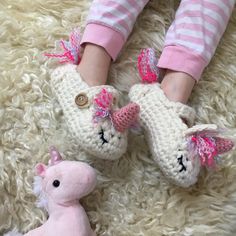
(132, 197)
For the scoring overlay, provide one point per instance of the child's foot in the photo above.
(174, 146)
(92, 113)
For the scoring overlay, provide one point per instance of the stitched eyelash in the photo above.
(101, 133)
(180, 160)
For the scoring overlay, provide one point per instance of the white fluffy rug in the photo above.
(132, 197)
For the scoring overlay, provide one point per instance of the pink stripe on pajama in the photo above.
(120, 15)
(117, 17)
(190, 41)
(193, 36)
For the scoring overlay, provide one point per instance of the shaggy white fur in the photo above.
(132, 197)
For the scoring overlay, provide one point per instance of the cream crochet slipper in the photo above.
(92, 113)
(174, 146)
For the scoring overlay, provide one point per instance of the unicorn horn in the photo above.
(55, 156)
(123, 118)
(223, 145)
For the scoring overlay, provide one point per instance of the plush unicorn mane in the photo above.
(42, 201)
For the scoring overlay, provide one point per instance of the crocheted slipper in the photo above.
(164, 130)
(178, 150)
(92, 113)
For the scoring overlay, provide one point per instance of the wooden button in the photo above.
(81, 100)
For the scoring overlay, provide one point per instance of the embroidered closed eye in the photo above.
(180, 161)
(101, 133)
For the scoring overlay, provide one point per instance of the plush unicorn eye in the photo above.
(56, 183)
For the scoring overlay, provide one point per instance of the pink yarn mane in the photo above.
(209, 148)
(147, 66)
(103, 105)
(71, 49)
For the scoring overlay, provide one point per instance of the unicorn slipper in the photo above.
(179, 151)
(92, 113)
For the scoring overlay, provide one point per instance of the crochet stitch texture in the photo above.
(163, 123)
(99, 139)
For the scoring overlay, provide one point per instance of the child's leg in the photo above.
(190, 44)
(109, 25)
(94, 65)
(177, 85)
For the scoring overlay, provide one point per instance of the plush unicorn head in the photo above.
(65, 181)
(59, 186)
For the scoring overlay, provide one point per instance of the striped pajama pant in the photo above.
(190, 41)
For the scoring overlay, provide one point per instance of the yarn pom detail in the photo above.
(103, 104)
(208, 148)
(71, 49)
(147, 66)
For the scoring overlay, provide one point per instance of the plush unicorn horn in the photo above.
(55, 156)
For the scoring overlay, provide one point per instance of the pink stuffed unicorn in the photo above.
(59, 186)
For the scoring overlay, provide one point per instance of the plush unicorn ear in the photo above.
(55, 156)
(40, 169)
(208, 143)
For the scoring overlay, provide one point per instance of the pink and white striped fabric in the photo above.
(190, 41)
(193, 36)
(110, 23)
